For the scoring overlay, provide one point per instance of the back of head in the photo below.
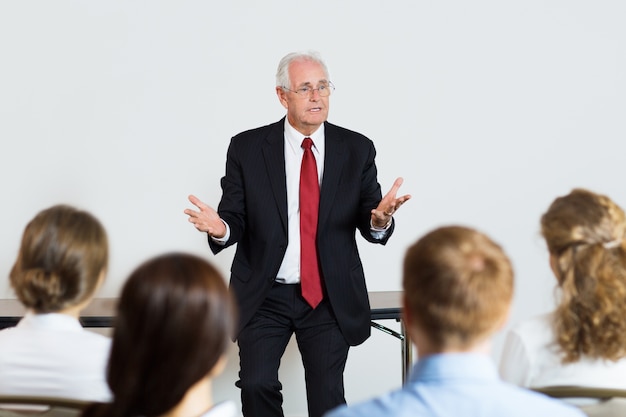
(174, 323)
(63, 253)
(458, 286)
(584, 232)
(282, 72)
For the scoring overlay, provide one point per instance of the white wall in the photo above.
(489, 109)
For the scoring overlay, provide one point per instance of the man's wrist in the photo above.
(221, 240)
(381, 228)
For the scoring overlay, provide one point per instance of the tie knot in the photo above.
(307, 143)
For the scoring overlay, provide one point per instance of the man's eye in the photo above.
(304, 90)
(322, 87)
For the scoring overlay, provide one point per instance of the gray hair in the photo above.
(282, 73)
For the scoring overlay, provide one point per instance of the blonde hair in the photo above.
(584, 232)
(458, 285)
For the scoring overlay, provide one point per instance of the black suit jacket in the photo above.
(254, 204)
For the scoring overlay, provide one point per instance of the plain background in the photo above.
(488, 109)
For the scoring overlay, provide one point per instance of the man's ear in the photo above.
(420, 340)
(282, 96)
(407, 317)
(503, 321)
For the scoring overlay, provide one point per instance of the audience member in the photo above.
(458, 286)
(583, 342)
(174, 322)
(61, 263)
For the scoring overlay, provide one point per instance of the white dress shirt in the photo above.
(52, 355)
(289, 271)
(532, 358)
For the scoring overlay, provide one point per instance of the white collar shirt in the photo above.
(531, 357)
(289, 272)
(52, 355)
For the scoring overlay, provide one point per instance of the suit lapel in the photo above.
(274, 156)
(334, 161)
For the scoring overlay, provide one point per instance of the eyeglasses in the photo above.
(306, 91)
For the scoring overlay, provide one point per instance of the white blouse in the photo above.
(531, 357)
(52, 355)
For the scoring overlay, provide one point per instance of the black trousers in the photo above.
(263, 341)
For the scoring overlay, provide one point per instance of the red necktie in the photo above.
(310, 278)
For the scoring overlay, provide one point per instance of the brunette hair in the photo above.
(458, 286)
(63, 253)
(174, 322)
(584, 232)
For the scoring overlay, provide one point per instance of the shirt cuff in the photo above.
(380, 232)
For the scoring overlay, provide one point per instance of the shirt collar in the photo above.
(54, 321)
(294, 138)
(454, 366)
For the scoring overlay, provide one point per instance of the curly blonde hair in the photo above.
(585, 232)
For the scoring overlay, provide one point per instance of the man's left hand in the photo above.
(381, 215)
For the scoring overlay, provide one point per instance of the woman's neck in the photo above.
(197, 401)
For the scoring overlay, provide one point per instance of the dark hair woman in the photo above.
(173, 327)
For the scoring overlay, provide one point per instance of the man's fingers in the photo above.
(394, 188)
(198, 203)
(402, 200)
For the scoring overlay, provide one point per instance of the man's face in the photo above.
(305, 112)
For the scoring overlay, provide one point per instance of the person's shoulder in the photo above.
(7, 339)
(364, 409)
(260, 131)
(82, 351)
(95, 337)
(526, 402)
(333, 129)
(392, 404)
(534, 326)
(356, 144)
(7, 331)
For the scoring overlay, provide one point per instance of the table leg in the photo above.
(407, 353)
